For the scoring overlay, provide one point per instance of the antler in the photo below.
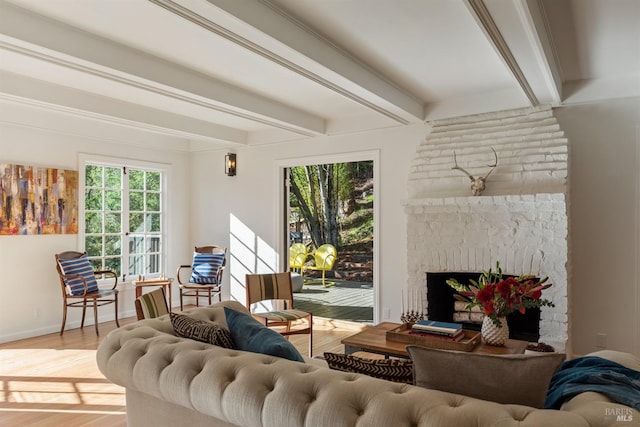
(493, 166)
(460, 169)
(477, 184)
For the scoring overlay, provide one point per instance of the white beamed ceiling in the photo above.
(223, 73)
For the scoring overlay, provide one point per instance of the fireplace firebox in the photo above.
(440, 306)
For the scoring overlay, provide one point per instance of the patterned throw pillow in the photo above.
(199, 330)
(204, 269)
(395, 370)
(250, 335)
(80, 266)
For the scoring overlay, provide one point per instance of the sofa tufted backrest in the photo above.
(248, 389)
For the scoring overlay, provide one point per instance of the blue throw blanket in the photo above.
(592, 373)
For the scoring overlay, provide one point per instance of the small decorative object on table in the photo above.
(441, 330)
(413, 300)
(499, 297)
(495, 333)
(539, 348)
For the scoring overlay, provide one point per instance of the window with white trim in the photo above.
(123, 219)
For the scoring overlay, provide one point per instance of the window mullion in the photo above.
(125, 223)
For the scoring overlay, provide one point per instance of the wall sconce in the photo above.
(230, 164)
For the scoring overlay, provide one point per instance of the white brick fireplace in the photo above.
(520, 219)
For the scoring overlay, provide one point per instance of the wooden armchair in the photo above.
(80, 287)
(206, 274)
(277, 286)
(152, 304)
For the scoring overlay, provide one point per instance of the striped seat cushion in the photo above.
(153, 304)
(80, 266)
(395, 370)
(282, 315)
(204, 269)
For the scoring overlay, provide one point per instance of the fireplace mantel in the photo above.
(486, 200)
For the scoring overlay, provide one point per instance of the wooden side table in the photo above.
(164, 283)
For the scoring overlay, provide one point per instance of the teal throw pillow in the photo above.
(250, 335)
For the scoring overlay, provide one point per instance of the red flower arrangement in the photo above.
(499, 297)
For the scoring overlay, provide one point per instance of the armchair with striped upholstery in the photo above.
(152, 304)
(261, 288)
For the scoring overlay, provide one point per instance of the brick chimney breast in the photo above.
(521, 217)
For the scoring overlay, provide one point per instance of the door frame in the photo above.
(637, 245)
(355, 156)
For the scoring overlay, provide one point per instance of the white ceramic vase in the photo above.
(493, 334)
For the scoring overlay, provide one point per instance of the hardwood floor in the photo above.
(54, 380)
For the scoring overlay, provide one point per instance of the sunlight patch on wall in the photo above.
(249, 254)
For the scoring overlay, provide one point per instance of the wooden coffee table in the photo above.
(374, 340)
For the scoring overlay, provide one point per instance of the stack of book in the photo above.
(442, 330)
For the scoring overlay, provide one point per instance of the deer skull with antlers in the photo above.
(477, 184)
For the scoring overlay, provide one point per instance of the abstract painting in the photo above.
(38, 200)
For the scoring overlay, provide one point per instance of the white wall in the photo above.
(251, 198)
(30, 299)
(603, 212)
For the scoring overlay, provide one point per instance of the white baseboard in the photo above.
(50, 329)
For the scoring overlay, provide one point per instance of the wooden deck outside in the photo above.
(350, 301)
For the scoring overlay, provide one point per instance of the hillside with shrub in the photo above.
(334, 204)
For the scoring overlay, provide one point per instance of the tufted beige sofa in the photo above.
(173, 381)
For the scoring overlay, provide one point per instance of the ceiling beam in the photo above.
(262, 28)
(520, 35)
(54, 97)
(49, 40)
(535, 22)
